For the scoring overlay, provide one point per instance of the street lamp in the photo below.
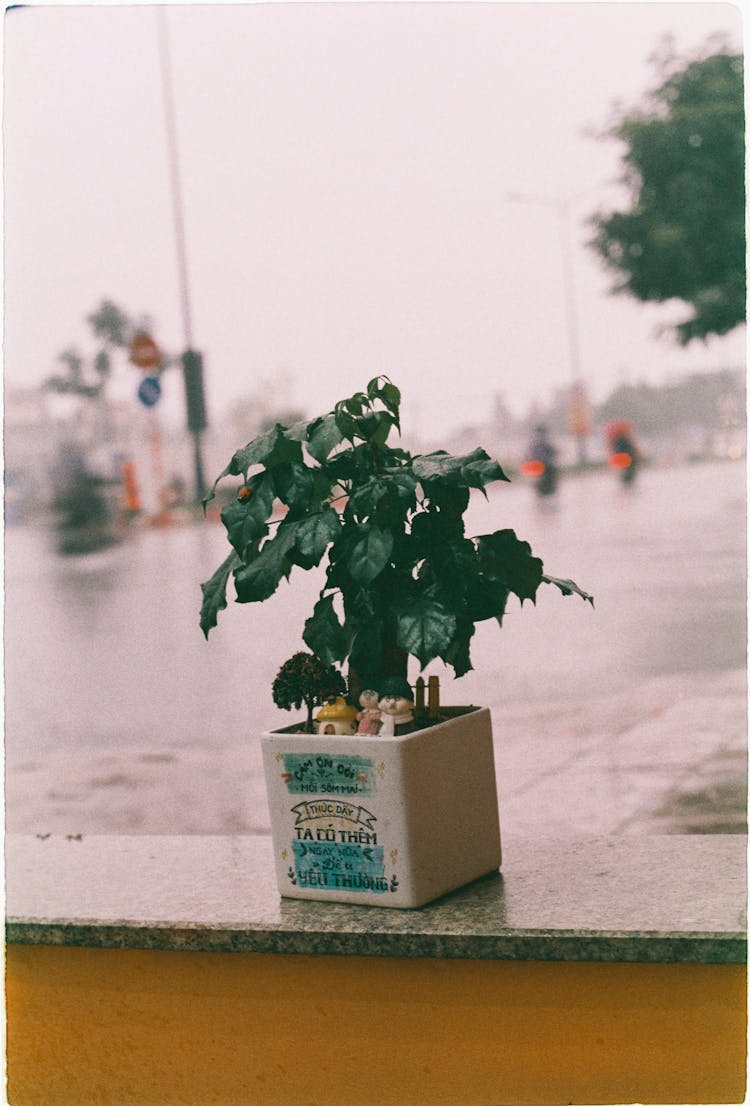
(192, 361)
(561, 206)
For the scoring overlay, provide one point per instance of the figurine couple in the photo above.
(386, 709)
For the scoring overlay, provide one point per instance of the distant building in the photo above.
(28, 444)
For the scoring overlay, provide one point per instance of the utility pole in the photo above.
(192, 361)
(561, 206)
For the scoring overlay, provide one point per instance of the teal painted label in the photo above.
(320, 774)
(343, 867)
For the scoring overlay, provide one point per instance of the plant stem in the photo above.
(395, 663)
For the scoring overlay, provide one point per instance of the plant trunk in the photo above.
(395, 663)
(395, 660)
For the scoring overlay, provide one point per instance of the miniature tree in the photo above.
(402, 577)
(304, 678)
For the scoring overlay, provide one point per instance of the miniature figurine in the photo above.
(369, 717)
(397, 704)
(337, 714)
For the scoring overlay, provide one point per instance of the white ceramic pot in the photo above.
(384, 821)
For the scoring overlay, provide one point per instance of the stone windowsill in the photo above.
(651, 899)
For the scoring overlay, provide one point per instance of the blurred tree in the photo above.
(111, 324)
(113, 328)
(83, 518)
(683, 237)
(73, 381)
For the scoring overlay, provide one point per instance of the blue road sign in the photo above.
(149, 391)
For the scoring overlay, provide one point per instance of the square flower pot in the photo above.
(384, 821)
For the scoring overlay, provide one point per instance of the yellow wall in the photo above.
(128, 1028)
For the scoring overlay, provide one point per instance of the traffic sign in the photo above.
(149, 391)
(144, 351)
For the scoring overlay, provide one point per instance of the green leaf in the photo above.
(403, 483)
(452, 501)
(298, 431)
(315, 532)
(355, 404)
(432, 530)
(324, 634)
(385, 497)
(378, 427)
(370, 554)
(568, 587)
(346, 425)
(453, 564)
(293, 484)
(440, 463)
(365, 497)
(507, 559)
(259, 579)
(486, 598)
(479, 470)
(245, 520)
(425, 628)
(389, 395)
(340, 468)
(323, 435)
(214, 593)
(471, 470)
(272, 448)
(458, 653)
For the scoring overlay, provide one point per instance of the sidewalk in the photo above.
(666, 756)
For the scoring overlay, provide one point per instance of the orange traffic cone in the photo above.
(130, 485)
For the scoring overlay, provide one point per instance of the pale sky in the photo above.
(345, 168)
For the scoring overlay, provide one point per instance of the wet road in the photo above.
(104, 657)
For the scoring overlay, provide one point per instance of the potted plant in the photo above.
(401, 817)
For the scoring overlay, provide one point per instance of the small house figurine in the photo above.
(336, 716)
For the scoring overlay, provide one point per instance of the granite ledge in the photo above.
(650, 900)
(521, 945)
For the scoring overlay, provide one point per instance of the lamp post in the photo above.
(192, 361)
(561, 206)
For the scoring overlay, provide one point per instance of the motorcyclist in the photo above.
(542, 452)
(623, 452)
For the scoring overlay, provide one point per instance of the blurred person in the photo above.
(541, 461)
(623, 452)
